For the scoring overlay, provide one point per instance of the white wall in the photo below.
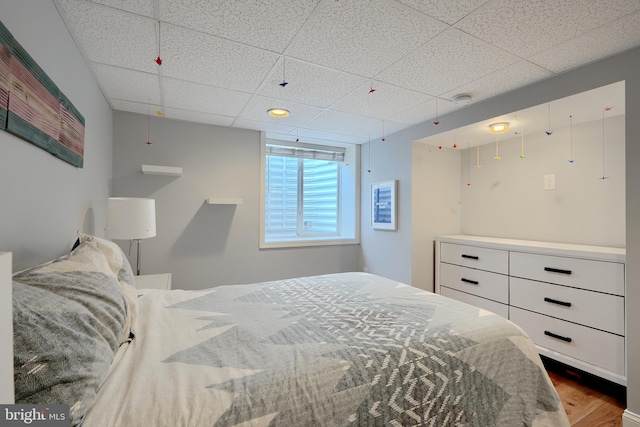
(207, 245)
(507, 198)
(436, 206)
(45, 201)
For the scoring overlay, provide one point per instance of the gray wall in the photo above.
(620, 67)
(207, 245)
(45, 201)
(386, 160)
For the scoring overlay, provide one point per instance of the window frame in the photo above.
(349, 194)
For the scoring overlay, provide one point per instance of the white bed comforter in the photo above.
(334, 350)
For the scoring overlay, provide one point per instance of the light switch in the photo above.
(549, 182)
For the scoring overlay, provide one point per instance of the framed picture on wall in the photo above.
(383, 205)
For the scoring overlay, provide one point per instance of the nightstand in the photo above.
(154, 281)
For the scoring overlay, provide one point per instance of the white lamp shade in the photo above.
(131, 218)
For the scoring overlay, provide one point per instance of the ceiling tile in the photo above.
(135, 107)
(417, 114)
(445, 10)
(263, 126)
(256, 109)
(526, 28)
(224, 60)
(139, 7)
(308, 83)
(205, 99)
(385, 101)
(314, 137)
(450, 60)
(266, 24)
(201, 58)
(426, 112)
(350, 124)
(604, 41)
(508, 78)
(112, 37)
(129, 85)
(198, 117)
(362, 37)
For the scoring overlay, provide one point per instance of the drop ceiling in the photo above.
(354, 70)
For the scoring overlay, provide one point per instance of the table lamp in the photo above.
(133, 219)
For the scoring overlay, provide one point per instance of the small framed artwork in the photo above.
(383, 205)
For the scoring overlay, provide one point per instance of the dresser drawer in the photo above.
(601, 276)
(476, 282)
(597, 310)
(470, 256)
(483, 303)
(589, 345)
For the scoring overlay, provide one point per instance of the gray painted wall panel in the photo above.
(207, 245)
(45, 201)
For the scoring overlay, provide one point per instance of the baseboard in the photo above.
(629, 419)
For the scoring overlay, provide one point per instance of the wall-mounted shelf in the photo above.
(161, 170)
(219, 201)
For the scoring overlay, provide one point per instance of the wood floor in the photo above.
(588, 401)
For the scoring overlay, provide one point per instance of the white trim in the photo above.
(630, 419)
(6, 329)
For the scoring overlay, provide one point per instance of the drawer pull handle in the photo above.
(470, 256)
(560, 337)
(557, 270)
(473, 282)
(555, 301)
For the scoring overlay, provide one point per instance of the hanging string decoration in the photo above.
(383, 139)
(284, 72)
(549, 131)
(149, 124)
(369, 161)
(522, 156)
(158, 59)
(497, 155)
(478, 165)
(603, 111)
(436, 121)
(468, 166)
(372, 89)
(571, 159)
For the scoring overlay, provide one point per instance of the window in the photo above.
(309, 194)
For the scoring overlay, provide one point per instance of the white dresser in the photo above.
(570, 299)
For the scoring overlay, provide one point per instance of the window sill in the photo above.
(327, 241)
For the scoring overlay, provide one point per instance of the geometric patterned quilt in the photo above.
(348, 349)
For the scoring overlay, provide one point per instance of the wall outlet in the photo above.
(365, 269)
(549, 182)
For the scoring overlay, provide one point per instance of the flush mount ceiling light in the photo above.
(499, 127)
(278, 112)
(461, 99)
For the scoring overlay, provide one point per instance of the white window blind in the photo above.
(302, 194)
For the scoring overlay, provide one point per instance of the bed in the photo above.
(348, 349)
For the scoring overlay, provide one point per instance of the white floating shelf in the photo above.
(219, 201)
(161, 170)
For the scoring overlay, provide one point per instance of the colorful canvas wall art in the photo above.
(33, 108)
